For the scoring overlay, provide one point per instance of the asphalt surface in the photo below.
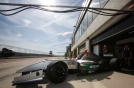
(106, 79)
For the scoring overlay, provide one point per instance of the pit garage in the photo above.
(114, 40)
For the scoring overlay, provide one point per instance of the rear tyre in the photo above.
(115, 64)
(57, 72)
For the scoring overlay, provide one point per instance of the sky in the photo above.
(39, 30)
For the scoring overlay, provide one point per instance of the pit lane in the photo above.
(106, 79)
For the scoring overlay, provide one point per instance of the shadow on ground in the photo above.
(29, 86)
(72, 77)
(127, 72)
(65, 84)
(98, 76)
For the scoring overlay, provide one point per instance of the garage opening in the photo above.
(112, 42)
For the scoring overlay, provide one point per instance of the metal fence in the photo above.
(22, 52)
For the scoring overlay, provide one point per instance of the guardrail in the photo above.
(19, 52)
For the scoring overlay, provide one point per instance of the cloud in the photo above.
(36, 40)
(45, 28)
(14, 41)
(64, 33)
(4, 24)
(62, 20)
(11, 19)
(18, 35)
(56, 16)
(8, 31)
(18, 22)
(50, 22)
(27, 22)
(58, 43)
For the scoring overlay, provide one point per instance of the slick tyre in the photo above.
(57, 72)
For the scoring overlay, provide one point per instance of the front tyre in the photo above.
(57, 72)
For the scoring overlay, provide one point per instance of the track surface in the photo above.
(106, 79)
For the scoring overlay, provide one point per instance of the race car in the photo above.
(56, 70)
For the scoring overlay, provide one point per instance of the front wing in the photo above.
(28, 78)
(37, 71)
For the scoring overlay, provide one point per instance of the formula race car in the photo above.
(56, 70)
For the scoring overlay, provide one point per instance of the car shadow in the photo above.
(71, 77)
(126, 72)
(98, 76)
(29, 86)
(65, 84)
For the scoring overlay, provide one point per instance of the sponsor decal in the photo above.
(94, 66)
(71, 63)
(108, 55)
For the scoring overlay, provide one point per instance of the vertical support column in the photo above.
(72, 53)
(96, 49)
(88, 45)
(77, 50)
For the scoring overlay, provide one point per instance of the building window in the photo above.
(80, 33)
(72, 40)
(88, 18)
(103, 3)
(77, 35)
(81, 25)
(85, 22)
(95, 4)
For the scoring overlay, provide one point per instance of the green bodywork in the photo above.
(88, 67)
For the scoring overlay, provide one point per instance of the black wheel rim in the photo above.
(59, 72)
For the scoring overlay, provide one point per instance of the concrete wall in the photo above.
(101, 23)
